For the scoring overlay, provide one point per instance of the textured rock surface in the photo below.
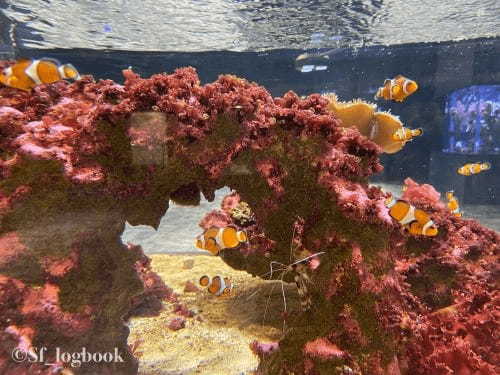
(78, 160)
(393, 303)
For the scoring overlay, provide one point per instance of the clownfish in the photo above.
(453, 204)
(473, 168)
(216, 239)
(27, 73)
(406, 134)
(397, 89)
(418, 229)
(218, 286)
(417, 221)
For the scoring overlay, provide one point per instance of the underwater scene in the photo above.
(245, 187)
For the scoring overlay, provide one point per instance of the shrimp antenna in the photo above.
(306, 258)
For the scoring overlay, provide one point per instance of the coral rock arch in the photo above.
(78, 160)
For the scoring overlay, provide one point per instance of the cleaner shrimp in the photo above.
(301, 279)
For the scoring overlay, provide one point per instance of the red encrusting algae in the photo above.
(78, 160)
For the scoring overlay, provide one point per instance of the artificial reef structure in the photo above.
(78, 160)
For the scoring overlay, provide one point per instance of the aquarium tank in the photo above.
(243, 187)
(473, 115)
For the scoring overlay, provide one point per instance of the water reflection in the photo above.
(200, 25)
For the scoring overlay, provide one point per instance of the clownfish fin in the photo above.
(51, 59)
(241, 236)
(23, 60)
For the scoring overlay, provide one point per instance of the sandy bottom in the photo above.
(216, 340)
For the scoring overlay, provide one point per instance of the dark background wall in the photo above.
(439, 68)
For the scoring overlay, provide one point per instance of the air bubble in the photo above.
(307, 68)
(316, 37)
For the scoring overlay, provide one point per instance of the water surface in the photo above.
(203, 25)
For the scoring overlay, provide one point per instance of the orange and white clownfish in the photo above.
(27, 73)
(473, 168)
(397, 89)
(417, 221)
(218, 286)
(453, 204)
(406, 134)
(216, 239)
(429, 229)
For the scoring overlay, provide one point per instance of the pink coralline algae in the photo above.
(79, 160)
(60, 267)
(149, 302)
(263, 348)
(181, 309)
(215, 219)
(358, 201)
(43, 307)
(230, 202)
(190, 287)
(323, 349)
(177, 324)
(424, 195)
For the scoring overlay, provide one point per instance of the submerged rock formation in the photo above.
(78, 160)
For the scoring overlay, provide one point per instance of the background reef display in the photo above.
(79, 160)
(474, 120)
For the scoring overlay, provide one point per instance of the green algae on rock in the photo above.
(304, 178)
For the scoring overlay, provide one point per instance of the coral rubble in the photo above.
(177, 323)
(78, 160)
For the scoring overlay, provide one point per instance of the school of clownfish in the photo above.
(416, 221)
(214, 240)
(25, 74)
